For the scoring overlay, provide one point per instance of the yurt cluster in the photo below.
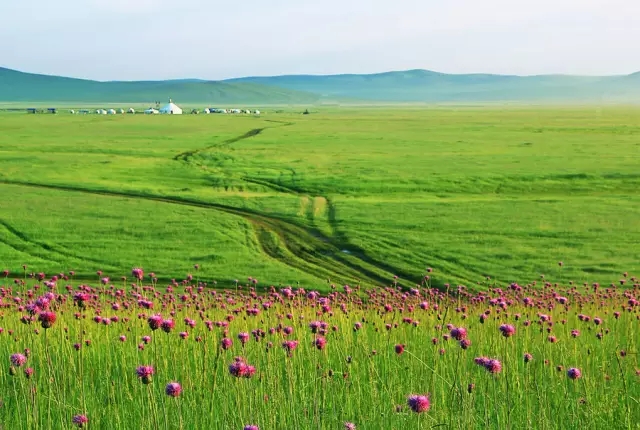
(170, 109)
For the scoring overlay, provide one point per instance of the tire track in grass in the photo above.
(337, 239)
(293, 244)
(25, 250)
(186, 155)
(46, 247)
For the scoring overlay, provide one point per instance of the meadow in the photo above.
(342, 195)
(369, 268)
(128, 353)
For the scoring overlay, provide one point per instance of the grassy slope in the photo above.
(17, 86)
(406, 86)
(472, 192)
(428, 86)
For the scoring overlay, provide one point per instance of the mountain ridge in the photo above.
(414, 85)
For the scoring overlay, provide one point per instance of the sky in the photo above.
(219, 39)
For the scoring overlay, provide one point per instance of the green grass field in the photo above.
(346, 195)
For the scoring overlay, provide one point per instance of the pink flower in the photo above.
(240, 369)
(419, 403)
(320, 343)
(173, 389)
(243, 337)
(137, 273)
(493, 366)
(290, 345)
(168, 325)
(574, 373)
(458, 333)
(47, 319)
(507, 330)
(145, 373)
(80, 420)
(155, 321)
(18, 360)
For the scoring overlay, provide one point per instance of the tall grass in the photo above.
(358, 377)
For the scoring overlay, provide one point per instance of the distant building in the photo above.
(32, 110)
(171, 108)
(52, 110)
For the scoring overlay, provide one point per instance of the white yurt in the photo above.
(72, 112)
(131, 110)
(151, 111)
(257, 112)
(111, 111)
(120, 110)
(103, 112)
(171, 108)
(206, 110)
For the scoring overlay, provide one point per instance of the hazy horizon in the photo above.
(197, 39)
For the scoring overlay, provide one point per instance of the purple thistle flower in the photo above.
(290, 345)
(320, 343)
(574, 373)
(458, 333)
(251, 427)
(155, 321)
(168, 325)
(18, 360)
(240, 369)
(481, 361)
(528, 357)
(419, 403)
(145, 373)
(243, 337)
(226, 343)
(173, 389)
(507, 330)
(349, 426)
(137, 273)
(47, 319)
(493, 366)
(80, 420)
(28, 372)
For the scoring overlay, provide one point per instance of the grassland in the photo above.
(319, 361)
(344, 195)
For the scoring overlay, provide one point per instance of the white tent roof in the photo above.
(171, 108)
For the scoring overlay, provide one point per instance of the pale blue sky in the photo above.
(216, 39)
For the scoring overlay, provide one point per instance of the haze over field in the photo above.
(408, 86)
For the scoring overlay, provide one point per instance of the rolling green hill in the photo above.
(429, 86)
(404, 86)
(26, 87)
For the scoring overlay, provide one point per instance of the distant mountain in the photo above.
(402, 86)
(27, 87)
(429, 86)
